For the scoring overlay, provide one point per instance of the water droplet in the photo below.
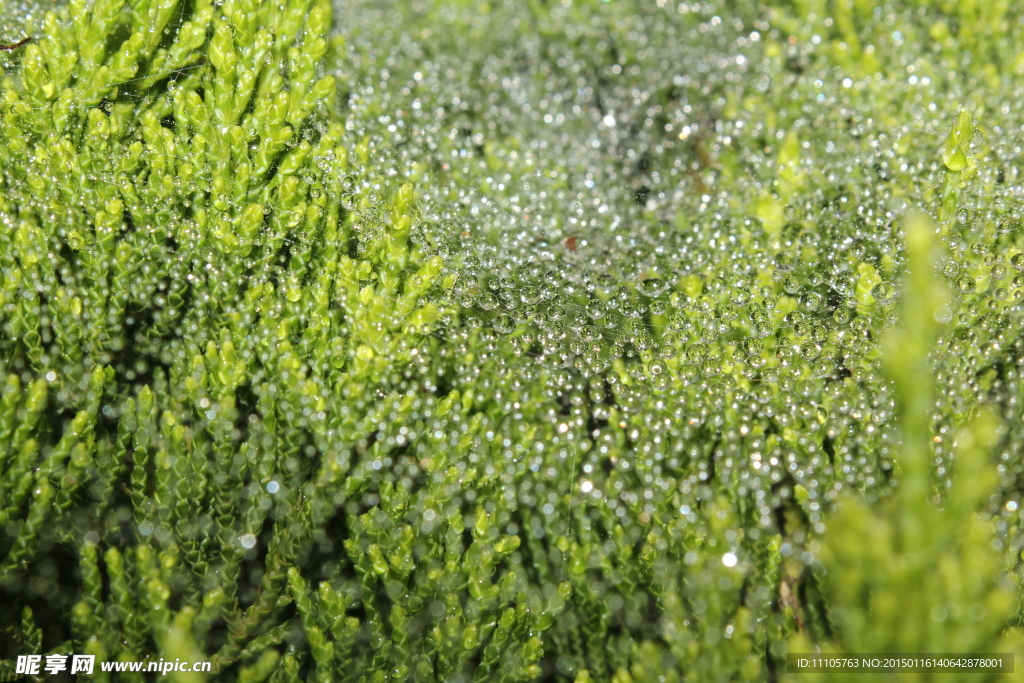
(652, 286)
(504, 324)
(811, 301)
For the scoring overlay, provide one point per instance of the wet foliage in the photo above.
(521, 341)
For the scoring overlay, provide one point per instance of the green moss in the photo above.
(324, 359)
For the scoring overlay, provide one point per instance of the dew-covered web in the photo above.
(571, 176)
(15, 17)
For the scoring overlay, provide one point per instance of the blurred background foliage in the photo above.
(584, 341)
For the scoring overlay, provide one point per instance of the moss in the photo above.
(319, 373)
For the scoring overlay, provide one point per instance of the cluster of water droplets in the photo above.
(14, 16)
